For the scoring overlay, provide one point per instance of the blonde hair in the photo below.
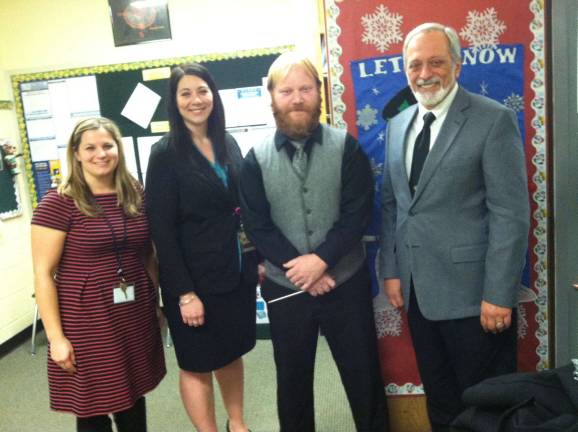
(283, 64)
(126, 186)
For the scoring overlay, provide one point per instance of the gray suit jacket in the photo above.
(463, 237)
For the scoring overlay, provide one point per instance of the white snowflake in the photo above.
(381, 28)
(484, 88)
(375, 91)
(387, 322)
(366, 117)
(522, 322)
(381, 136)
(483, 29)
(514, 102)
(376, 167)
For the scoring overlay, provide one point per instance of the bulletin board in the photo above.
(114, 86)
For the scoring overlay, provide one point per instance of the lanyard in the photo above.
(118, 247)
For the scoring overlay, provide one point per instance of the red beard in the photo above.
(299, 128)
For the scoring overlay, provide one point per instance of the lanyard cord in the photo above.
(118, 247)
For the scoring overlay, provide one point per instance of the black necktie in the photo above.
(420, 151)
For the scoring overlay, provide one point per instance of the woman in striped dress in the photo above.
(95, 280)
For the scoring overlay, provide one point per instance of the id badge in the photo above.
(124, 293)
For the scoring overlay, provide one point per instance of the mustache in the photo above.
(422, 82)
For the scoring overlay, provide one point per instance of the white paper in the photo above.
(141, 105)
(43, 150)
(36, 104)
(129, 156)
(144, 145)
(249, 137)
(246, 106)
(63, 124)
(83, 96)
(40, 129)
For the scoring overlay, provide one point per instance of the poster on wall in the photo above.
(51, 108)
(135, 22)
(503, 58)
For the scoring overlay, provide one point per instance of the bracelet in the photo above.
(187, 300)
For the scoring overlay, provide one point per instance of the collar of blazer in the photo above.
(203, 171)
(456, 117)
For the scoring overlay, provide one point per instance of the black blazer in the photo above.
(194, 220)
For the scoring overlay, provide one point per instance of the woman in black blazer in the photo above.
(207, 283)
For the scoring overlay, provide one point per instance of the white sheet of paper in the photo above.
(63, 123)
(246, 106)
(144, 145)
(249, 137)
(141, 105)
(43, 150)
(36, 104)
(83, 96)
(41, 129)
(129, 156)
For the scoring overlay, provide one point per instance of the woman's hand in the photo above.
(62, 353)
(192, 310)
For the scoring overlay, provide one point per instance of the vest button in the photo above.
(305, 190)
(308, 211)
(310, 233)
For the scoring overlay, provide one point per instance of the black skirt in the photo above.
(228, 333)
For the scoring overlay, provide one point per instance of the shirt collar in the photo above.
(281, 140)
(442, 108)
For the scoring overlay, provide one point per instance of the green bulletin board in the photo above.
(115, 84)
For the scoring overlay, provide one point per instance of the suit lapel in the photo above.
(453, 123)
(400, 149)
(204, 172)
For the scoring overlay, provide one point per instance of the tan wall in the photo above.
(43, 35)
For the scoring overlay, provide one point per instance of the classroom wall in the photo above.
(42, 35)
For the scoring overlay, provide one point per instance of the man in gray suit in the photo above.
(455, 220)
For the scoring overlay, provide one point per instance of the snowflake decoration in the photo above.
(522, 322)
(388, 322)
(381, 28)
(375, 91)
(514, 102)
(381, 136)
(484, 88)
(366, 117)
(376, 168)
(483, 29)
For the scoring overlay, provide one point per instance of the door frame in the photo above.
(564, 127)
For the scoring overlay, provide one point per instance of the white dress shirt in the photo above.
(440, 111)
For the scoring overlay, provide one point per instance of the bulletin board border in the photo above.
(18, 79)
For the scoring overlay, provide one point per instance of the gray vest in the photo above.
(305, 210)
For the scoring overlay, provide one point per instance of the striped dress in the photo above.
(118, 347)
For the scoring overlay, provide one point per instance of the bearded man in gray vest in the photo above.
(306, 197)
